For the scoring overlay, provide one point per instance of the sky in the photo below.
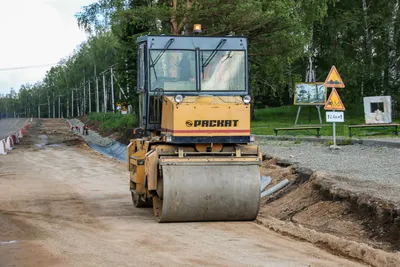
(36, 32)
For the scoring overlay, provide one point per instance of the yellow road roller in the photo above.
(193, 158)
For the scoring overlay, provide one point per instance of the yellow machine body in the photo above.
(205, 116)
(194, 159)
(195, 181)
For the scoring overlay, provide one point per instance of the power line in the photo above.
(27, 67)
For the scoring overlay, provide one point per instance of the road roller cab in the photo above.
(194, 160)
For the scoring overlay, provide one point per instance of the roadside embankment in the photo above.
(113, 125)
(105, 145)
(344, 201)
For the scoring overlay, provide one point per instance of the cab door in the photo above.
(141, 84)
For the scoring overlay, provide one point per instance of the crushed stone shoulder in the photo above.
(370, 170)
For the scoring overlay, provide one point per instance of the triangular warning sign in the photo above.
(333, 79)
(334, 102)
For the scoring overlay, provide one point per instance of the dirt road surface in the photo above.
(65, 205)
(8, 126)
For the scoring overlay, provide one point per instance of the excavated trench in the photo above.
(316, 208)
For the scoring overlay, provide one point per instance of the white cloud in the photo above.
(36, 32)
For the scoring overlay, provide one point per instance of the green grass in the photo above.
(285, 116)
(112, 122)
(270, 118)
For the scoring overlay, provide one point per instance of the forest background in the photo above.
(360, 37)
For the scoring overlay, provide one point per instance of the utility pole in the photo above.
(83, 102)
(67, 106)
(48, 104)
(97, 90)
(90, 101)
(97, 96)
(112, 90)
(39, 109)
(59, 106)
(72, 104)
(105, 93)
(77, 102)
(54, 106)
(84, 93)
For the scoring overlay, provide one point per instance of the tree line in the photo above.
(359, 37)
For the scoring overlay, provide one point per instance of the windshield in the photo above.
(225, 71)
(173, 71)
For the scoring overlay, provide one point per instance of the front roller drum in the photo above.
(204, 192)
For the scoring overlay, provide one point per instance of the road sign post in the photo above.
(334, 102)
(332, 116)
(334, 134)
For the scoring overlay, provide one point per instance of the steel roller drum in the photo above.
(210, 192)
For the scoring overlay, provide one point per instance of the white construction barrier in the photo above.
(12, 141)
(9, 143)
(3, 149)
(20, 135)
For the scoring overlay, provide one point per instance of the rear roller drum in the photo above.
(223, 192)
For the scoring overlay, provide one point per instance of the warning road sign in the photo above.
(334, 102)
(333, 79)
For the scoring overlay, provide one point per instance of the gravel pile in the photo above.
(373, 170)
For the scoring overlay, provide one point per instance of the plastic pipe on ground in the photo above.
(275, 188)
(266, 180)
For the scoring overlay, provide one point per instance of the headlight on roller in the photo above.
(178, 98)
(246, 99)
